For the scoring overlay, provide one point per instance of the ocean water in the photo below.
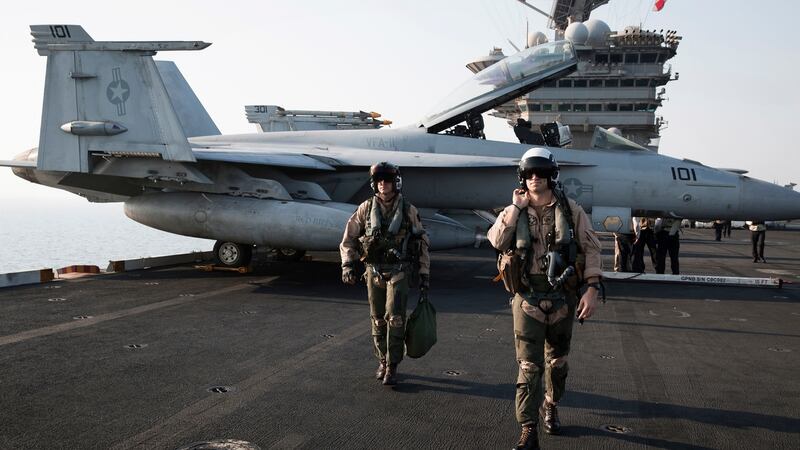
(53, 233)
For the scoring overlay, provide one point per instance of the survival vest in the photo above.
(514, 265)
(388, 242)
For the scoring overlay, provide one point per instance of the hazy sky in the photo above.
(735, 104)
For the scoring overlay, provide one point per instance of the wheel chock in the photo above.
(212, 267)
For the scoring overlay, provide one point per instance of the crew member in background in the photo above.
(758, 233)
(668, 240)
(726, 229)
(719, 225)
(645, 237)
(557, 238)
(623, 249)
(386, 234)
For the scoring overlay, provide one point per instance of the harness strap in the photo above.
(373, 219)
(397, 218)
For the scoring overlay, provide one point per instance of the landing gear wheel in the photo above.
(232, 254)
(289, 254)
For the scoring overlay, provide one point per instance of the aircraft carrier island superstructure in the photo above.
(619, 82)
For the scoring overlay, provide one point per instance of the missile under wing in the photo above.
(112, 130)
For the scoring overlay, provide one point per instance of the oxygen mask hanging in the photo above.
(557, 269)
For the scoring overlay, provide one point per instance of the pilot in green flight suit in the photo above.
(386, 234)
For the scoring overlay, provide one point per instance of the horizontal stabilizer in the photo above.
(22, 164)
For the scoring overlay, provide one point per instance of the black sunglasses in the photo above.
(540, 173)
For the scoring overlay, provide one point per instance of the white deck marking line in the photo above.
(67, 326)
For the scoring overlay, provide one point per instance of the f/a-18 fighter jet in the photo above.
(119, 127)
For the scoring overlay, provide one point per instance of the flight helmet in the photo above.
(387, 172)
(540, 161)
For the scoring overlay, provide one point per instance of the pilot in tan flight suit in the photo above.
(387, 235)
(555, 237)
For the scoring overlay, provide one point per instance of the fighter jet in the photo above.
(118, 126)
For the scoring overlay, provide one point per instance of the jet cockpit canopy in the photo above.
(509, 78)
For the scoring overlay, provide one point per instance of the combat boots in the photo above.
(529, 440)
(390, 378)
(549, 414)
(381, 372)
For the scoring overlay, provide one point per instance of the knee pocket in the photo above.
(557, 363)
(378, 322)
(396, 321)
(528, 367)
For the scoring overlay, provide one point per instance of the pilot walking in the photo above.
(668, 241)
(644, 237)
(562, 252)
(386, 234)
(758, 233)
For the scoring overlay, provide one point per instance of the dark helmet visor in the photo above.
(383, 169)
(385, 176)
(540, 172)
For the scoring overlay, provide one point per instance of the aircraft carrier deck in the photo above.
(281, 358)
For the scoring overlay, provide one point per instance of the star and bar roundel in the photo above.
(118, 91)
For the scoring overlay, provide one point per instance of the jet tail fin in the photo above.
(105, 98)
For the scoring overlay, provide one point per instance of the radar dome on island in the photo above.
(598, 32)
(536, 38)
(577, 33)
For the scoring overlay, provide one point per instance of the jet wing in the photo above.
(345, 156)
(261, 157)
(566, 163)
(507, 79)
(330, 157)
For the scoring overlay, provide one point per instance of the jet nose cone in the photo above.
(767, 201)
